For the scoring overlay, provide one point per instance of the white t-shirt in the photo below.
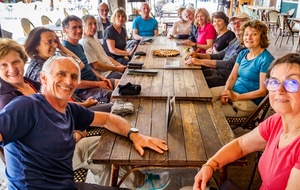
(95, 52)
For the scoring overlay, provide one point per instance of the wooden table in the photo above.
(154, 62)
(184, 84)
(198, 130)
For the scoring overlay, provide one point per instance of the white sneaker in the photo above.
(155, 181)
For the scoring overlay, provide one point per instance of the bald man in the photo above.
(102, 20)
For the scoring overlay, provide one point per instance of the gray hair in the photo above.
(47, 67)
(85, 17)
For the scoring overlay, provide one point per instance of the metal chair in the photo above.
(27, 26)
(251, 121)
(84, 11)
(286, 29)
(45, 20)
(291, 12)
(272, 20)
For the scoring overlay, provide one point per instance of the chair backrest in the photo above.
(84, 11)
(66, 13)
(281, 22)
(251, 121)
(252, 14)
(45, 20)
(291, 12)
(272, 16)
(26, 25)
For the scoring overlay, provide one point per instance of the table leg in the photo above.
(114, 175)
(223, 174)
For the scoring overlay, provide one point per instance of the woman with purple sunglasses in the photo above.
(278, 136)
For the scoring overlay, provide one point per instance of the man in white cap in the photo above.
(217, 67)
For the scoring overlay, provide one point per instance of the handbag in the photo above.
(122, 108)
(130, 89)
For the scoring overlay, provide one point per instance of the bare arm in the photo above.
(209, 43)
(202, 62)
(232, 77)
(136, 35)
(120, 126)
(112, 48)
(155, 32)
(232, 151)
(293, 181)
(103, 67)
(93, 84)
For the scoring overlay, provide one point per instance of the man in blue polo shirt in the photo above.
(144, 25)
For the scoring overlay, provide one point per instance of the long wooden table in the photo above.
(184, 84)
(198, 130)
(161, 42)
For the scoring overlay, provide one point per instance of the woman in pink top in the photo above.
(278, 136)
(206, 31)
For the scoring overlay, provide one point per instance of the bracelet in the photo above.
(209, 166)
(217, 163)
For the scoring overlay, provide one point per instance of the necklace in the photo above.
(285, 136)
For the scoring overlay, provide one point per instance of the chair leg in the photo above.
(281, 40)
(256, 159)
(277, 38)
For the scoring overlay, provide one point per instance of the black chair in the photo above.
(251, 121)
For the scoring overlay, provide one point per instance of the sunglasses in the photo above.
(290, 85)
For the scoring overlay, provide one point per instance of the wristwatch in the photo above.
(132, 130)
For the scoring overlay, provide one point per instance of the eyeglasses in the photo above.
(290, 85)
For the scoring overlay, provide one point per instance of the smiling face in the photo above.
(103, 11)
(61, 81)
(201, 19)
(219, 24)
(188, 15)
(284, 102)
(237, 23)
(251, 38)
(74, 31)
(12, 68)
(48, 45)
(90, 27)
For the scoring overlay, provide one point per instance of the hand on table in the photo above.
(121, 68)
(193, 61)
(190, 55)
(141, 141)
